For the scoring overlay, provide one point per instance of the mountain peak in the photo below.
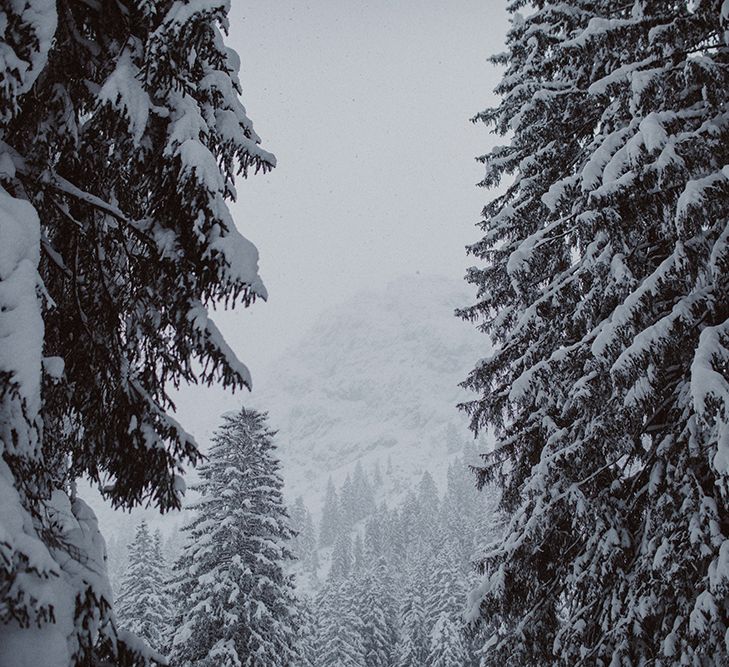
(375, 380)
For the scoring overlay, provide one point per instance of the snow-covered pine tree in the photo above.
(364, 498)
(428, 495)
(377, 610)
(305, 634)
(464, 510)
(358, 554)
(142, 606)
(456, 522)
(297, 515)
(395, 542)
(121, 132)
(348, 509)
(428, 507)
(161, 576)
(409, 519)
(413, 645)
(374, 544)
(338, 639)
(447, 644)
(308, 537)
(341, 557)
(172, 546)
(329, 527)
(605, 292)
(117, 555)
(236, 605)
(446, 587)
(304, 544)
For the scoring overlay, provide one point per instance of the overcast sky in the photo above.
(366, 105)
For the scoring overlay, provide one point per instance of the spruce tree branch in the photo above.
(54, 256)
(136, 226)
(60, 184)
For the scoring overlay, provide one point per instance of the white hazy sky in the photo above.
(366, 105)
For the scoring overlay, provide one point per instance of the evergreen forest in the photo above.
(530, 468)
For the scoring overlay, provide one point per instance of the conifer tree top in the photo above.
(236, 602)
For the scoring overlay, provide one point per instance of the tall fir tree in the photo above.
(377, 610)
(374, 540)
(427, 510)
(604, 291)
(349, 511)
(358, 554)
(409, 518)
(363, 493)
(121, 133)
(339, 642)
(297, 516)
(161, 576)
(236, 605)
(330, 516)
(342, 557)
(306, 647)
(446, 587)
(414, 643)
(308, 543)
(395, 543)
(142, 606)
(464, 511)
(304, 543)
(311, 559)
(117, 554)
(447, 644)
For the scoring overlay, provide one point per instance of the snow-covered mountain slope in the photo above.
(374, 381)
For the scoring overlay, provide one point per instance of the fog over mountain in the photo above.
(375, 381)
